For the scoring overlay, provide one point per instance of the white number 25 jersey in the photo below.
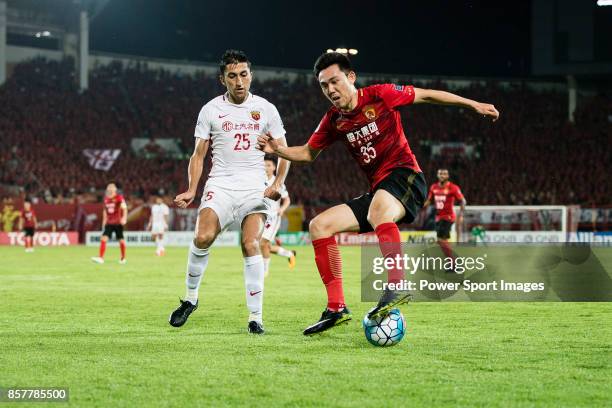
(233, 130)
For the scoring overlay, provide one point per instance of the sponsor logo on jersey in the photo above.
(255, 115)
(399, 87)
(369, 112)
(227, 126)
(363, 135)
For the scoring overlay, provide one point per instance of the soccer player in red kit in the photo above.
(443, 194)
(367, 121)
(114, 217)
(28, 224)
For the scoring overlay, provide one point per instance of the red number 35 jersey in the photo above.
(372, 132)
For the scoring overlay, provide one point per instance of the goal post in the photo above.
(514, 223)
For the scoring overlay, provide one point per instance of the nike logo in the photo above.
(254, 293)
(222, 116)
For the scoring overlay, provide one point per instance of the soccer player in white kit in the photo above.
(158, 224)
(235, 190)
(274, 221)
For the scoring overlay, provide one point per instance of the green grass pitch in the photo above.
(102, 331)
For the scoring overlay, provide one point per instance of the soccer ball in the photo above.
(387, 331)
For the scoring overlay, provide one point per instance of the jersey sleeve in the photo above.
(458, 193)
(202, 129)
(430, 193)
(323, 135)
(396, 95)
(275, 124)
(166, 210)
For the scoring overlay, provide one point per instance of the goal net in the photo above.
(520, 224)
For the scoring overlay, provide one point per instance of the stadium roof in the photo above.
(27, 15)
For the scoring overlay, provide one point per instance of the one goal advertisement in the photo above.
(171, 238)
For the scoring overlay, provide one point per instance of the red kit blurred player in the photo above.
(443, 194)
(114, 217)
(28, 224)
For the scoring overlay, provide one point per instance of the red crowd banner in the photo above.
(55, 217)
(42, 238)
(89, 217)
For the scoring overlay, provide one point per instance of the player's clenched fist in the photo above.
(487, 109)
(266, 143)
(183, 200)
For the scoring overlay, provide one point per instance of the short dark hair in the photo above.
(330, 58)
(232, 57)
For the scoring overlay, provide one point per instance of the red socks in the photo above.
(329, 263)
(390, 245)
(446, 248)
(102, 248)
(122, 247)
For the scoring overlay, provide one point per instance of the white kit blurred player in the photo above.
(235, 191)
(158, 224)
(273, 223)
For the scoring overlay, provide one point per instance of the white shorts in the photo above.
(234, 205)
(158, 228)
(271, 228)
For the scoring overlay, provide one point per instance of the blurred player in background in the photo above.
(368, 122)
(158, 224)
(236, 187)
(443, 194)
(114, 218)
(273, 223)
(28, 224)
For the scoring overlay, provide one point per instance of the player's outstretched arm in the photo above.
(462, 205)
(273, 191)
(300, 154)
(283, 165)
(446, 98)
(196, 165)
(285, 203)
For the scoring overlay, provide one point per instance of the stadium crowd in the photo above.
(533, 155)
